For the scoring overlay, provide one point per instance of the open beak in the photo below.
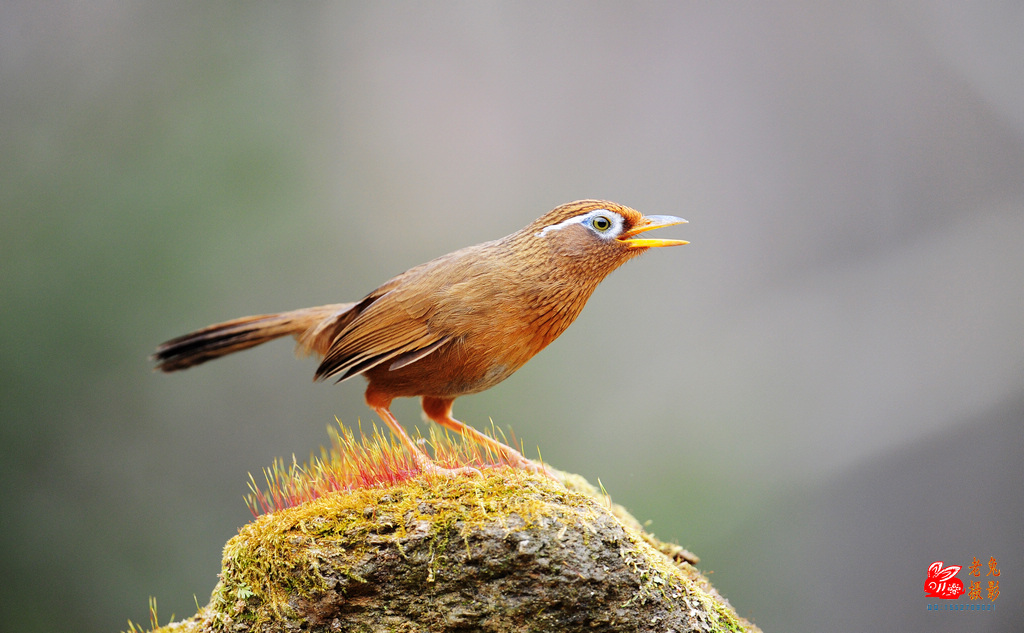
(648, 223)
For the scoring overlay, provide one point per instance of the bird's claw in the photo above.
(429, 467)
(518, 460)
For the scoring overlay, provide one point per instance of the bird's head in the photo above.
(597, 234)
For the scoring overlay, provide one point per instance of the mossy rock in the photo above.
(509, 551)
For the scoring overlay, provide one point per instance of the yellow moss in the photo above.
(259, 563)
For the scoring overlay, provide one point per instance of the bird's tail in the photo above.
(236, 335)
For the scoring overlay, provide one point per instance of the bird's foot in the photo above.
(429, 467)
(518, 460)
(451, 473)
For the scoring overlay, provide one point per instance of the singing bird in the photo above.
(456, 325)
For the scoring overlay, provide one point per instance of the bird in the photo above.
(456, 325)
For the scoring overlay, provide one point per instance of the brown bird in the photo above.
(456, 325)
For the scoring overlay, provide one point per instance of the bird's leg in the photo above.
(422, 460)
(440, 411)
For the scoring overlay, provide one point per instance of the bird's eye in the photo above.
(601, 223)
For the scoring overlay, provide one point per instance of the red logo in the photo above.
(941, 583)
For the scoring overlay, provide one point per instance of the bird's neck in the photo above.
(553, 286)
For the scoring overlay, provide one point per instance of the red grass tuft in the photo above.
(372, 460)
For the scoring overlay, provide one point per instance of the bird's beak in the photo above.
(648, 223)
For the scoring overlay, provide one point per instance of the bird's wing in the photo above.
(392, 324)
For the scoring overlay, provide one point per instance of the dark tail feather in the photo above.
(233, 336)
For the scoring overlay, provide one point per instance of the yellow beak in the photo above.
(648, 223)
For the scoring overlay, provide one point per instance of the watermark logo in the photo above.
(942, 582)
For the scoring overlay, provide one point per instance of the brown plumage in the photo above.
(455, 325)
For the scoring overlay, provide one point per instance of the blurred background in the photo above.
(820, 396)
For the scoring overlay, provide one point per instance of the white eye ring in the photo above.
(604, 223)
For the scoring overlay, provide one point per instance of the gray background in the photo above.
(820, 395)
